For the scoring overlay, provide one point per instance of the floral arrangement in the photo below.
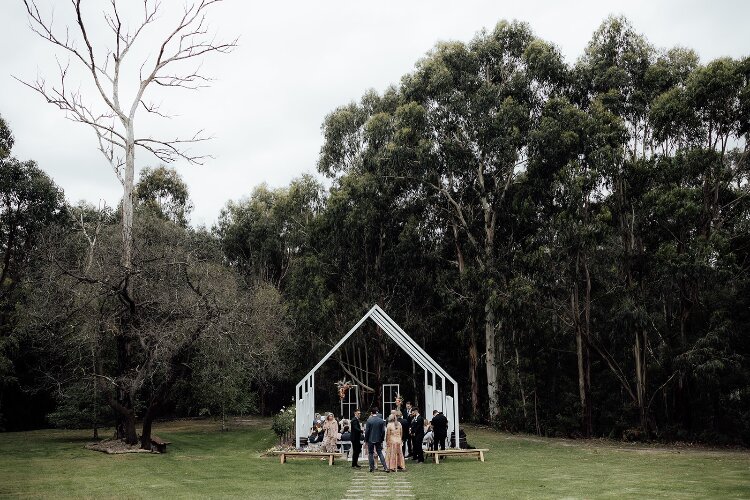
(343, 387)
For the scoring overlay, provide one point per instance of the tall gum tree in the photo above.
(480, 100)
(612, 75)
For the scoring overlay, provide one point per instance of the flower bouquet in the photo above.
(343, 387)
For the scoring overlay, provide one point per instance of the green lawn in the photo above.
(203, 462)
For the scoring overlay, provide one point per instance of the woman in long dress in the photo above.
(331, 429)
(394, 453)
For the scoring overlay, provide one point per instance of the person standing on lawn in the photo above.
(417, 434)
(374, 436)
(395, 455)
(356, 432)
(331, 429)
(404, 432)
(439, 429)
(408, 450)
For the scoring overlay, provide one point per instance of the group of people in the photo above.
(405, 434)
(328, 431)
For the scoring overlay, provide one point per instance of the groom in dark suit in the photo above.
(374, 436)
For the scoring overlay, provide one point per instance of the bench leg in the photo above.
(437, 458)
(481, 456)
(282, 458)
(330, 459)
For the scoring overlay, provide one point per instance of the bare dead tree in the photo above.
(115, 126)
(175, 63)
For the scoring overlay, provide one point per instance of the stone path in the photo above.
(379, 484)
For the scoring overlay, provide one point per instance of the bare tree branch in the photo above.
(189, 39)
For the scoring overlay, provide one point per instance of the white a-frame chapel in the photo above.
(440, 389)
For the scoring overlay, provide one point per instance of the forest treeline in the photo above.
(571, 242)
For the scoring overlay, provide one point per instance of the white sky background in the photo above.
(297, 62)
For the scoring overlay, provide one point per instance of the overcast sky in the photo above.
(295, 63)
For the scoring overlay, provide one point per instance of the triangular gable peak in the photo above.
(434, 398)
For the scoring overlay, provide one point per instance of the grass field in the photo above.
(203, 462)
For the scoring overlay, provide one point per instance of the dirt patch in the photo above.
(115, 447)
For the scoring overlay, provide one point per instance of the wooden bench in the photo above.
(478, 452)
(283, 455)
(158, 444)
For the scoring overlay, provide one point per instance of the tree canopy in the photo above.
(570, 241)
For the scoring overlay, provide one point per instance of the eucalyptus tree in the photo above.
(698, 210)
(612, 74)
(377, 229)
(479, 102)
(568, 151)
(163, 191)
(263, 234)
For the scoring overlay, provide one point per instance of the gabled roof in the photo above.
(395, 332)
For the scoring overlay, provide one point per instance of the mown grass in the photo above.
(201, 462)
(205, 463)
(528, 467)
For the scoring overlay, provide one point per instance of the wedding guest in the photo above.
(405, 432)
(393, 441)
(374, 436)
(439, 429)
(331, 430)
(344, 422)
(313, 437)
(428, 440)
(428, 430)
(346, 435)
(409, 418)
(356, 436)
(417, 433)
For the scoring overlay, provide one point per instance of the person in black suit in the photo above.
(417, 434)
(404, 431)
(356, 437)
(407, 432)
(439, 429)
(374, 436)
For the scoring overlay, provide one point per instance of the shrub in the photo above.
(283, 423)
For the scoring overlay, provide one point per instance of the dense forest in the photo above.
(571, 242)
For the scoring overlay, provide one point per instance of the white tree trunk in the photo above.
(127, 201)
(491, 363)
